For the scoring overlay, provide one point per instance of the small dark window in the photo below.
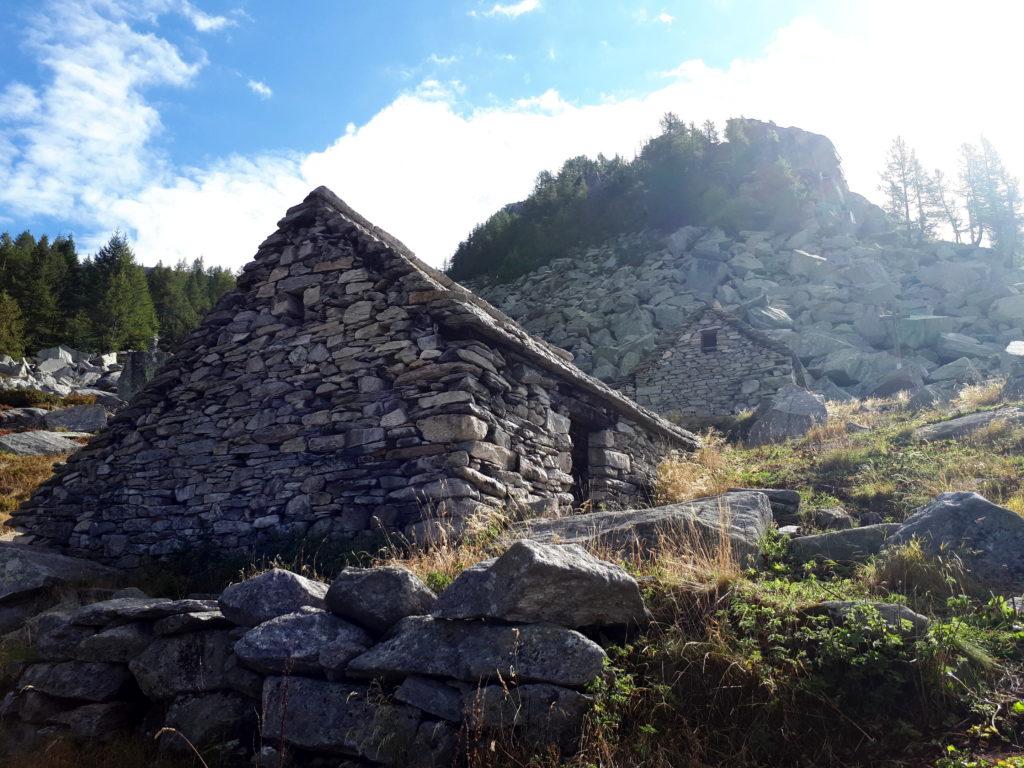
(709, 340)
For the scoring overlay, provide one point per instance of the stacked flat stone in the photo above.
(375, 667)
(688, 380)
(342, 389)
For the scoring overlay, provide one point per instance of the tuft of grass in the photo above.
(19, 477)
(706, 472)
(926, 582)
(975, 396)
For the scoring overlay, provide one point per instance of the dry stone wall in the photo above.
(341, 390)
(687, 380)
(375, 668)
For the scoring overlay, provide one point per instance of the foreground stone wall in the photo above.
(340, 391)
(685, 380)
(375, 667)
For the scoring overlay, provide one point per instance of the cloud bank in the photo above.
(428, 170)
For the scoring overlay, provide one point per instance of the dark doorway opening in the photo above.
(579, 434)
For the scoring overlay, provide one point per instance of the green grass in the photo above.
(886, 471)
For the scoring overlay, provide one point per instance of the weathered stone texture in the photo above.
(342, 388)
(687, 378)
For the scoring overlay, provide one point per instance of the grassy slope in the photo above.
(738, 670)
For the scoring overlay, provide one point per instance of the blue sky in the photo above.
(193, 124)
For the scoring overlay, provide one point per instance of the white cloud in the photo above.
(550, 101)
(441, 61)
(90, 128)
(510, 10)
(260, 88)
(427, 169)
(18, 101)
(204, 22)
(643, 16)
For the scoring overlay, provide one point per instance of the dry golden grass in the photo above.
(19, 476)
(867, 413)
(975, 396)
(706, 472)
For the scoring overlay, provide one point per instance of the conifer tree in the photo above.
(125, 317)
(12, 327)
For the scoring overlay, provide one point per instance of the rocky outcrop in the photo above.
(856, 309)
(500, 655)
(790, 414)
(65, 371)
(843, 546)
(530, 583)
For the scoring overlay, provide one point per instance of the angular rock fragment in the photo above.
(268, 595)
(545, 583)
(293, 643)
(378, 598)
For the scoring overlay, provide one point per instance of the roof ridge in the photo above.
(506, 328)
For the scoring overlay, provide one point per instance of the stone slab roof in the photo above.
(455, 306)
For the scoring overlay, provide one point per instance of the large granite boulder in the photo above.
(84, 681)
(472, 651)
(304, 642)
(530, 582)
(124, 610)
(792, 413)
(118, 644)
(738, 519)
(988, 539)
(268, 595)
(539, 714)
(24, 570)
(378, 598)
(23, 418)
(209, 719)
(961, 371)
(920, 331)
(78, 418)
(953, 346)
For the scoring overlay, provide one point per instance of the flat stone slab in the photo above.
(742, 517)
(965, 425)
(24, 570)
(473, 651)
(38, 443)
(846, 546)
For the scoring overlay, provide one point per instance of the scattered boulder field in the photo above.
(98, 385)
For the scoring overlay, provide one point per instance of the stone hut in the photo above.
(715, 365)
(344, 388)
